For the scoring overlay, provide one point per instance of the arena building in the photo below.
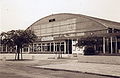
(61, 32)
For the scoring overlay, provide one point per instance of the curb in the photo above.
(76, 72)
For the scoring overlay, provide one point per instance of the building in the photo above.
(60, 33)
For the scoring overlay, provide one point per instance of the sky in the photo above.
(20, 14)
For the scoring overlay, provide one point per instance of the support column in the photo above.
(107, 45)
(41, 48)
(64, 47)
(54, 46)
(111, 39)
(77, 46)
(116, 45)
(68, 46)
(50, 47)
(60, 47)
(104, 45)
(60, 50)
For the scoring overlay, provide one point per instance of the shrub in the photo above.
(89, 50)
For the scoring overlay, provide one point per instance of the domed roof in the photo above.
(63, 16)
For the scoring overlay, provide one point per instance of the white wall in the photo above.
(77, 50)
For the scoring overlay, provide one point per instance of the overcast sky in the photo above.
(19, 14)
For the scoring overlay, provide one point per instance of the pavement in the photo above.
(100, 65)
(110, 70)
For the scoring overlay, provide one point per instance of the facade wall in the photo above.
(85, 24)
(56, 27)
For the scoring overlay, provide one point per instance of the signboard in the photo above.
(47, 38)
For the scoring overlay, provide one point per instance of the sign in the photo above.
(47, 38)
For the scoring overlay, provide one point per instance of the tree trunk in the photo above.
(21, 54)
(18, 56)
(18, 52)
(15, 52)
(15, 55)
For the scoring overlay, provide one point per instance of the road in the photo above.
(25, 69)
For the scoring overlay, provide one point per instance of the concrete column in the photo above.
(41, 48)
(60, 55)
(68, 46)
(107, 45)
(111, 40)
(116, 45)
(54, 46)
(64, 47)
(60, 47)
(104, 45)
(50, 47)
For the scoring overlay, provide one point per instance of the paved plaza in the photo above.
(74, 65)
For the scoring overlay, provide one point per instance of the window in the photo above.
(109, 30)
(51, 20)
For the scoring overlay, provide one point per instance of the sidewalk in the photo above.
(74, 65)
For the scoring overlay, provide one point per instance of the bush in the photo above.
(89, 50)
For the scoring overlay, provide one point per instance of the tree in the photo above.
(89, 43)
(2, 36)
(19, 38)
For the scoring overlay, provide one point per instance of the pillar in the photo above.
(116, 45)
(41, 47)
(111, 40)
(54, 46)
(68, 46)
(50, 47)
(104, 45)
(64, 47)
(60, 47)
(107, 45)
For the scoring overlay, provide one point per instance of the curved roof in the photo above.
(64, 16)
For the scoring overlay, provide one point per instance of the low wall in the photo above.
(99, 59)
(80, 58)
(31, 56)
